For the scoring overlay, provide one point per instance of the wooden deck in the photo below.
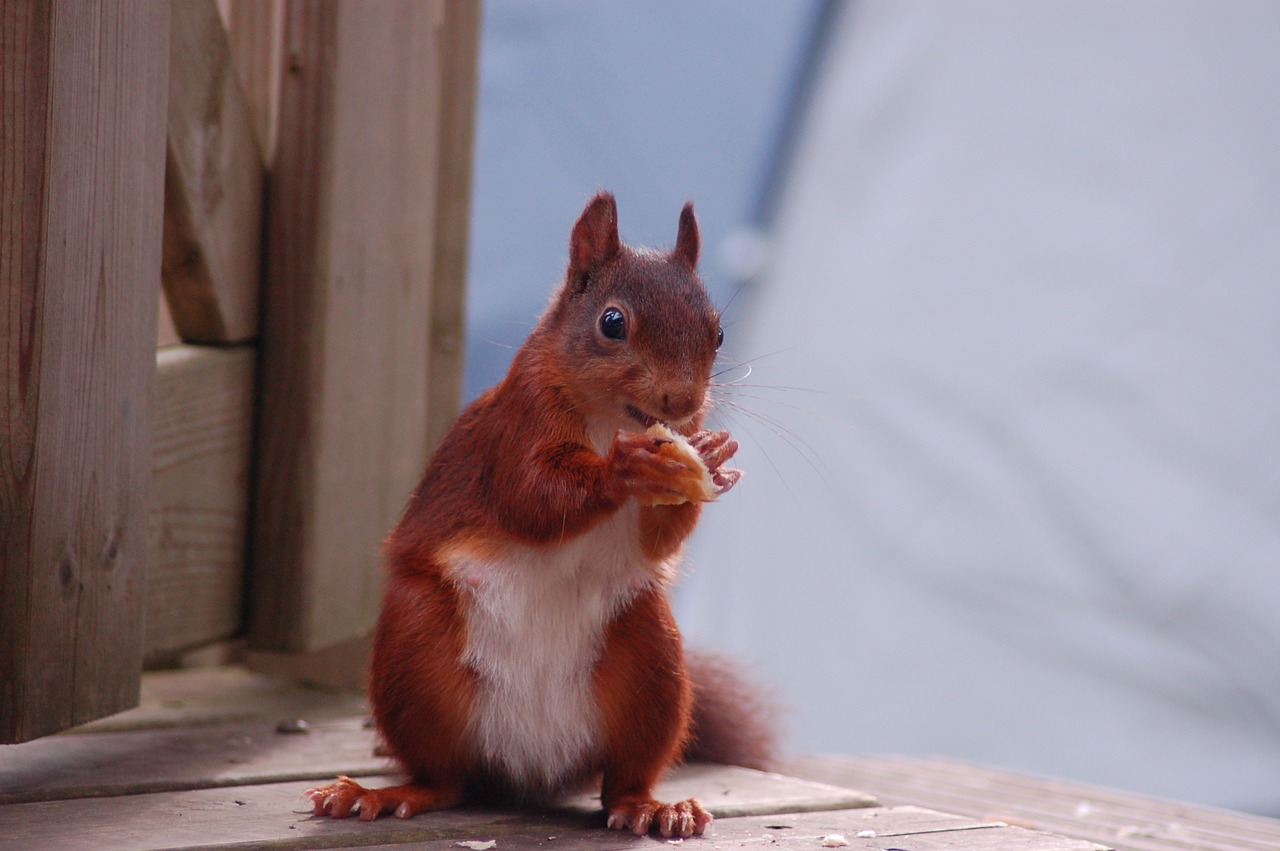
(1113, 818)
(215, 759)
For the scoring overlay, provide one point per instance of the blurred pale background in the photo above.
(1007, 277)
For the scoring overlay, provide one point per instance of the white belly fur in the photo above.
(535, 628)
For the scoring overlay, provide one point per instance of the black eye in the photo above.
(719, 337)
(613, 324)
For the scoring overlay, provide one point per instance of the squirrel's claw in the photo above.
(714, 447)
(726, 478)
(680, 820)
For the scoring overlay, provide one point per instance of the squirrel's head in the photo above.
(636, 333)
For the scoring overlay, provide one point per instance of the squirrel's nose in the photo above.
(681, 404)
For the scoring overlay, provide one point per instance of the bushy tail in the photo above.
(734, 721)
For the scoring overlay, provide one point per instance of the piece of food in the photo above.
(694, 483)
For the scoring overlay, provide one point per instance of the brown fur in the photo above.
(518, 469)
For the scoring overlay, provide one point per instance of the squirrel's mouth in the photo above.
(641, 417)
(650, 421)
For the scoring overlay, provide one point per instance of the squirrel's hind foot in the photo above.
(345, 796)
(681, 820)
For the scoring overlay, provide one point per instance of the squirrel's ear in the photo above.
(594, 239)
(688, 243)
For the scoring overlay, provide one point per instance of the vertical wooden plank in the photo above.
(256, 31)
(341, 438)
(83, 92)
(460, 45)
(214, 183)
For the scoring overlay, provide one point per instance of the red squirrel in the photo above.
(526, 644)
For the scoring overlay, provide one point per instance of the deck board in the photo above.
(898, 827)
(213, 756)
(272, 815)
(232, 693)
(265, 815)
(1123, 820)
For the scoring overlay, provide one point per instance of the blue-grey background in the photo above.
(659, 101)
(1007, 277)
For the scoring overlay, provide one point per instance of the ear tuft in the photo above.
(688, 242)
(594, 240)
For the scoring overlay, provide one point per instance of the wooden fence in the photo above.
(295, 176)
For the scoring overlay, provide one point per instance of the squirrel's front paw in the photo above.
(715, 448)
(644, 471)
(661, 467)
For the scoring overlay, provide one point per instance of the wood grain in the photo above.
(342, 432)
(256, 31)
(728, 791)
(207, 696)
(259, 817)
(212, 756)
(460, 43)
(245, 753)
(214, 182)
(200, 496)
(83, 93)
(270, 816)
(1122, 820)
(201, 764)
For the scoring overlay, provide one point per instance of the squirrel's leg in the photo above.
(644, 698)
(420, 697)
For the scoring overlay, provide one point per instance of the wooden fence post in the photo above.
(83, 95)
(346, 316)
(458, 84)
(256, 29)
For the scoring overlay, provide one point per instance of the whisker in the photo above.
(767, 457)
(789, 437)
(496, 343)
(789, 387)
(779, 428)
(729, 395)
(715, 375)
(742, 285)
(772, 354)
